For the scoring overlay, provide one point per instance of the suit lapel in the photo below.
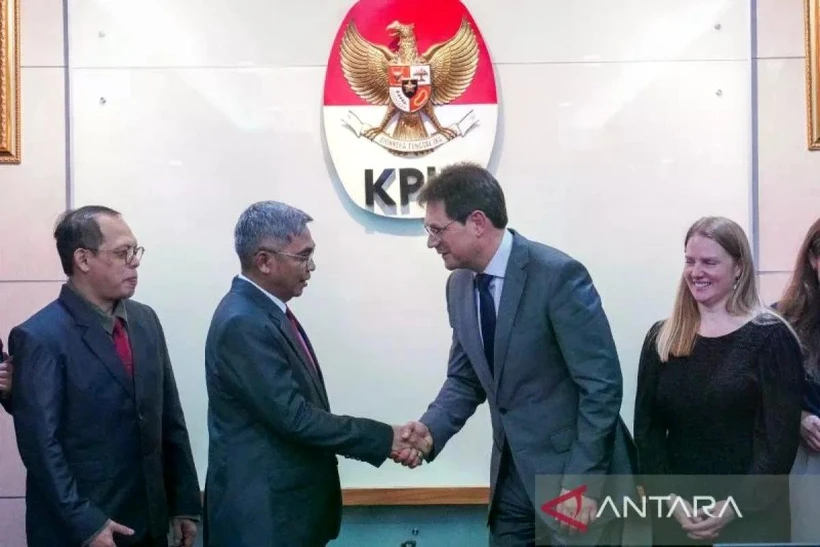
(470, 335)
(284, 325)
(103, 347)
(515, 277)
(140, 345)
(277, 316)
(95, 337)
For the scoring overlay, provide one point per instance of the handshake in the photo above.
(412, 443)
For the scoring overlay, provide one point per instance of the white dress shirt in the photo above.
(275, 300)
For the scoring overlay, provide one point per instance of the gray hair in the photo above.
(266, 220)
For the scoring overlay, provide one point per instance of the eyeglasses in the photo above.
(304, 259)
(127, 255)
(436, 232)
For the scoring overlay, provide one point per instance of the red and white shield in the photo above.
(409, 86)
(387, 125)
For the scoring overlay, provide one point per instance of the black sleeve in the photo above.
(181, 481)
(777, 424)
(38, 394)
(649, 429)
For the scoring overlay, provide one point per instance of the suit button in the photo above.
(502, 409)
(140, 418)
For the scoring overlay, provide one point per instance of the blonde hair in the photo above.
(676, 337)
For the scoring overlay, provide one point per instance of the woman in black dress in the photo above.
(717, 411)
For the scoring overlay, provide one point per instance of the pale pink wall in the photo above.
(32, 195)
(789, 175)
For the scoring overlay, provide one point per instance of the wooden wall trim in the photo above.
(473, 495)
(416, 496)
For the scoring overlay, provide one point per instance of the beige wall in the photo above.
(789, 175)
(31, 195)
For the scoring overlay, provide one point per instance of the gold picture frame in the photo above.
(10, 81)
(812, 41)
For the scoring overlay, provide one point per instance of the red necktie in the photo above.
(123, 346)
(297, 329)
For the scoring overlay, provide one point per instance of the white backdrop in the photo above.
(621, 123)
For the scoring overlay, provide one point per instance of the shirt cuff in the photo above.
(187, 517)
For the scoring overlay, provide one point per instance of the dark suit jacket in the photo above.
(556, 393)
(96, 445)
(272, 468)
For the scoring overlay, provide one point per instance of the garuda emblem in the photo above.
(410, 85)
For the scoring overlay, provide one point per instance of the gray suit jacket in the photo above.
(556, 393)
(272, 469)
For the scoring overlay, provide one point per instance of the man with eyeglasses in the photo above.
(531, 338)
(97, 415)
(273, 478)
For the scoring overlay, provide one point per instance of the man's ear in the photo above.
(480, 221)
(81, 258)
(262, 261)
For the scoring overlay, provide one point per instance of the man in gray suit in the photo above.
(531, 338)
(272, 469)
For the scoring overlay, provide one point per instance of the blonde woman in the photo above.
(718, 394)
(800, 305)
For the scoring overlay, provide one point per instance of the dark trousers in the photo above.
(513, 519)
(151, 542)
(512, 516)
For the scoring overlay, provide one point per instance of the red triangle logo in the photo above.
(551, 506)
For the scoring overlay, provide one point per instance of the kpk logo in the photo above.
(409, 88)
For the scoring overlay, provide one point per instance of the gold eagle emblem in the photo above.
(408, 83)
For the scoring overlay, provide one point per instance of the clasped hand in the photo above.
(707, 523)
(412, 442)
(6, 374)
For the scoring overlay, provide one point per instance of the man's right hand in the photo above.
(106, 536)
(411, 444)
(6, 374)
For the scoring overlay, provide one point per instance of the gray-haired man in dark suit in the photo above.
(272, 469)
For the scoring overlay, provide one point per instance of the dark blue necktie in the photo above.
(486, 307)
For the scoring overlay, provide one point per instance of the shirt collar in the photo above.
(275, 300)
(498, 265)
(107, 319)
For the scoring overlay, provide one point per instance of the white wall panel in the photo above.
(183, 33)
(615, 178)
(41, 33)
(182, 153)
(789, 192)
(612, 177)
(198, 33)
(780, 28)
(529, 31)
